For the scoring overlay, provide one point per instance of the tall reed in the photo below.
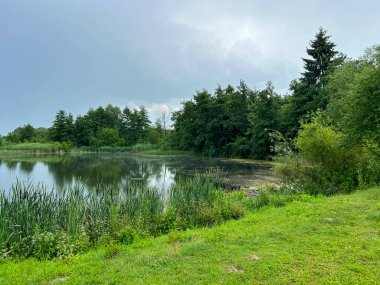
(30, 211)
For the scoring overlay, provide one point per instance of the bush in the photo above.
(168, 221)
(325, 164)
(126, 236)
(369, 167)
(46, 245)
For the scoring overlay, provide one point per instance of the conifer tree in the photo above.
(308, 92)
(63, 127)
(322, 57)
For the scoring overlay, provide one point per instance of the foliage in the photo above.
(325, 164)
(232, 122)
(263, 117)
(338, 149)
(135, 125)
(322, 56)
(26, 133)
(126, 235)
(214, 125)
(106, 137)
(63, 127)
(355, 100)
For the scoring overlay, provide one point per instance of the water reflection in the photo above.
(27, 166)
(112, 169)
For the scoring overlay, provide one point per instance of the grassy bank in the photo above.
(313, 240)
(52, 147)
(55, 147)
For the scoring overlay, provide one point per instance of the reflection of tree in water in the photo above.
(95, 169)
(27, 166)
(11, 165)
(124, 169)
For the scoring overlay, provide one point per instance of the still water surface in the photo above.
(58, 171)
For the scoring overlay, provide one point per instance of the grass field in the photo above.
(314, 240)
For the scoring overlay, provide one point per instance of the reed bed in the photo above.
(45, 223)
(52, 147)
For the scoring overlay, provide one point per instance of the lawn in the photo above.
(313, 240)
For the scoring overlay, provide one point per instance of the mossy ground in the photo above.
(313, 240)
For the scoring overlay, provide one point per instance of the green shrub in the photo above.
(65, 146)
(105, 239)
(325, 164)
(45, 245)
(168, 221)
(111, 250)
(126, 235)
(369, 167)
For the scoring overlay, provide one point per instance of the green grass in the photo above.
(52, 147)
(312, 240)
(55, 147)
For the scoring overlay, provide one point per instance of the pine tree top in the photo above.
(321, 55)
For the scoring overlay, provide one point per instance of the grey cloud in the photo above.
(80, 54)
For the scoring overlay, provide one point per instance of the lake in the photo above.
(59, 171)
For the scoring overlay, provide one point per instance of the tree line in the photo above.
(103, 126)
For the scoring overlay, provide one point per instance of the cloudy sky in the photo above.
(77, 54)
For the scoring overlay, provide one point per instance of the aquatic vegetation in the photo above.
(45, 223)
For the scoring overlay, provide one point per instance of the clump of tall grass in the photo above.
(44, 223)
(196, 202)
(53, 147)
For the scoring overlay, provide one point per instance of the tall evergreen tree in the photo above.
(63, 127)
(322, 56)
(308, 92)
